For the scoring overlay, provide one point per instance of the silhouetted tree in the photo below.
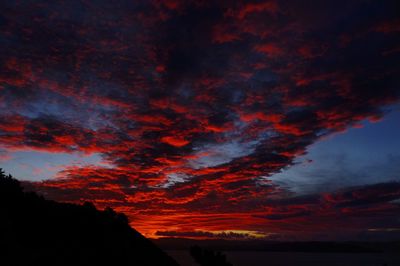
(206, 257)
(9, 186)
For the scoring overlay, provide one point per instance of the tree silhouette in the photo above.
(207, 257)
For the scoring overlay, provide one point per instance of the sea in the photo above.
(260, 258)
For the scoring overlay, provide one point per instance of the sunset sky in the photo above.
(209, 119)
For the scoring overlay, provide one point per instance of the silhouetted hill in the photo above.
(36, 231)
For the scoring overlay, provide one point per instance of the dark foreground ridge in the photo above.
(36, 231)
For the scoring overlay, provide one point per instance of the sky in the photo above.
(273, 120)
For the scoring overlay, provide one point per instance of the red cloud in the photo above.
(269, 49)
(174, 141)
(267, 6)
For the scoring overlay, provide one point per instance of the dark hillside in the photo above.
(36, 231)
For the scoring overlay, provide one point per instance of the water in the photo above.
(256, 258)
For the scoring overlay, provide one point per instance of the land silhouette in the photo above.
(36, 231)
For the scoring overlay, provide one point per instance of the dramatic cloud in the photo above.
(194, 105)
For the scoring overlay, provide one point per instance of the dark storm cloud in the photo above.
(191, 103)
(350, 202)
(285, 216)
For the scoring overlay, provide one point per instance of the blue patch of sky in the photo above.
(175, 178)
(357, 157)
(222, 153)
(48, 103)
(37, 166)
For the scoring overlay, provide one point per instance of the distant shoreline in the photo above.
(271, 246)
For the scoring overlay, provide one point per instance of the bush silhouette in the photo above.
(36, 231)
(206, 257)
